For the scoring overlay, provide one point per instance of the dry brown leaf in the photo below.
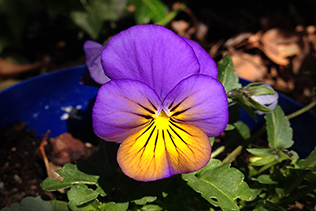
(180, 27)
(8, 68)
(249, 66)
(238, 39)
(278, 46)
(66, 149)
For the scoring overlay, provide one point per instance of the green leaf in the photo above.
(38, 204)
(243, 130)
(145, 200)
(220, 185)
(90, 206)
(111, 206)
(278, 129)
(212, 140)
(89, 22)
(308, 162)
(227, 75)
(80, 194)
(229, 127)
(254, 89)
(147, 11)
(262, 160)
(67, 176)
(265, 179)
(151, 207)
(108, 10)
(97, 12)
(261, 151)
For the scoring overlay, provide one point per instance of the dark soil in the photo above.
(22, 169)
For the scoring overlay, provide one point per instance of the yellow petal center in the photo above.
(163, 148)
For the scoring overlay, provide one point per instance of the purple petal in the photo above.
(207, 64)
(151, 54)
(201, 101)
(93, 52)
(123, 107)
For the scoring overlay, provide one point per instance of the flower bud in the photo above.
(255, 97)
(267, 98)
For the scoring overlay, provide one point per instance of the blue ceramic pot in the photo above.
(57, 102)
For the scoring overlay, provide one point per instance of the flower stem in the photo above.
(232, 156)
(302, 110)
(218, 151)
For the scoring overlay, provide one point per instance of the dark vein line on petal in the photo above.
(180, 128)
(179, 150)
(147, 109)
(176, 106)
(152, 105)
(148, 139)
(171, 104)
(188, 145)
(156, 141)
(180, 112)
(148, 128)
(142, 115)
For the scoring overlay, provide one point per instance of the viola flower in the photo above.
(162, 103)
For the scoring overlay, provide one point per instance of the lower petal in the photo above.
(158, 152)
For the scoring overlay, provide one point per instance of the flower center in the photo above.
(162, 121)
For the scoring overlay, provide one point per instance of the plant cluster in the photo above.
(273, 178)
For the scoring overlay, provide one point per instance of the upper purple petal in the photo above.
(93, 52)
(207, 64)
(123, 107)
(199, 100)
(151, 54)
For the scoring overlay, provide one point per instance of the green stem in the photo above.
(218, 151)
(232, 156)
(302, 110)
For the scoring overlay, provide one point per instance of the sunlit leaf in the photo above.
(147, 11)
(145, 200)
(97, 12)
(278, 129)
(111, 206)
(89, 22)
(262, 160)
(90, 206)
(308, 162)
(220, 185)
(67, 176)
(151, 207)
(227, 75)
(80, 194)
(261, 151)
(265, 179)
